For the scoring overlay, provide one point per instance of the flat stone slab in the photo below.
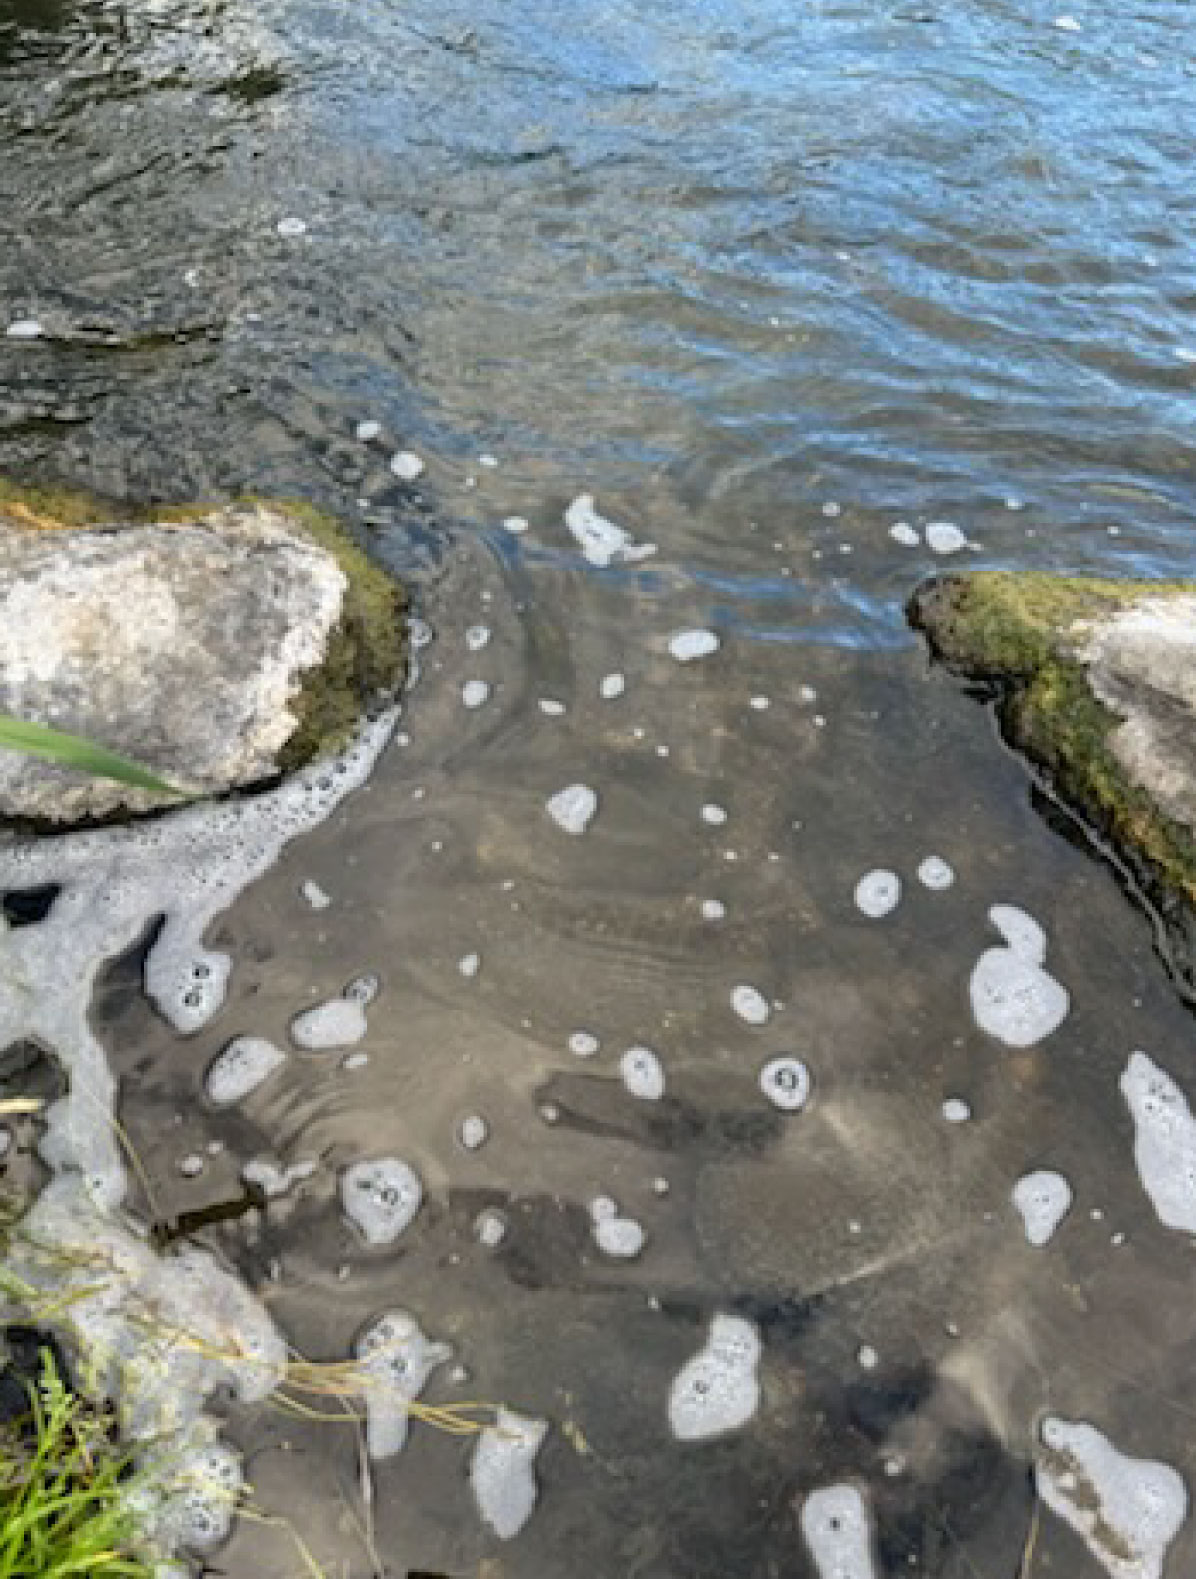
(1096, 683)
(197, 648)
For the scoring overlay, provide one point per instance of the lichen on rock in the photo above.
(218, 646)
(1096, 684)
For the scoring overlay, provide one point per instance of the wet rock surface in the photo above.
(1096, 684)
(216, 650)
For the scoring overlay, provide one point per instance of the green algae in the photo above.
(1020, 631)
(365, 660)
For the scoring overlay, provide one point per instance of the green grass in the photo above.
(71, 751)
(64, 1506)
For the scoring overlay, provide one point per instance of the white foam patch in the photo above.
(368, 430)
(878, 893)
(25, 329)
(406, 465)
(602, 543)
(718, 1390)
(944, 537)
(619, 1237)
(687, 646)
(785, 1081)
(612, 686)
(1126, 1510)
(502, 1472)
(837, 1530)
(643, 1074)
(339, 1022)
(956, 1111)
(469, 965)
(475, 693)
(573, 808)
(935, 873)
(74, 1249)
(1164, 1141)
(1013, 998)
(1044, 1199)
(275, 1179)
(316, 896)
(474, 1132)
(714, 814)
(381, 1198)
(905, 534)
(583, 1044)
(477, 637)
(750, 1004)
(240, 1068)
(713, 910)
(516, 525)
(395, 1358)
(490, 1227)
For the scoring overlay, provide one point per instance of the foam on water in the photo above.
(1044, 1199)
(1127, 1510)
(474, 1132)
(475, 694)
(583, 1044)
(381, 1198)
(611, 686)
(275, 1179)
(714, 814)
(717, 1391)
(944, 537)
(24, 329)
(1013, 998)
(573, 808)
(406, 465)
(502, 1472)
(877, 893)
(619, 1237)
(686, 646)
(1164, 1141)
(338, 1022)
(246, 1063)
(643, 1074)
(750, 1004)
(935, 873)
(602, 543)
(956, 1111)
(396, 1358)
(785, 1081)
(477, 637)
(837, 1530)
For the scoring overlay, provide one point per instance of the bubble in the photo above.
(406, 465)
(717, 1391)
(1044, 1199)
(491, 1228)
(878, 893)
(381, 1198)
(750, 1004)
(474, 1132)
(584, 1044)
(573, 808)
(785, 1081)
(612, 686)
(477, 637)
(643, 1074)
(688, 645)
(475, 693)
(934, 873)
(240, 1068)
(316, 897)
(469, 965)
(502, 1473)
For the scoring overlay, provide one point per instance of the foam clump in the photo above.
(1164, 1141)
(642, 1073)
(1013, 998)
(837, 1531)
(240, 1068)
(396, 1359)
(381, 1198)
(785, 1081)
(338, 1022)
(1126, 1510)
(687, 646)
(602, 542)
(621, 1238)
(717, 1391)
(1044, 1199)
(877, 893)
(750, 1004)
(935, 873)
(573, 808)
(502, 1471)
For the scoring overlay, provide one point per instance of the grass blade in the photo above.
(72, 751)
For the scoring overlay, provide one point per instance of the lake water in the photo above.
(765, 281)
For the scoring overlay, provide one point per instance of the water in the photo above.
(765, 281)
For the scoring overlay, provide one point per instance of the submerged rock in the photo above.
(217, 647)
(1096, 682)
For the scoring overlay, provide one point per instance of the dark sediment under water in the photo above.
(766, 280)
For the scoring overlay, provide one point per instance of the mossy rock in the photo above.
(1024, 635)
(363, 651)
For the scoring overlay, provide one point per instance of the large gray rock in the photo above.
(186, 647)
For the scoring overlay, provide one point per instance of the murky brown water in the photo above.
(766, 283)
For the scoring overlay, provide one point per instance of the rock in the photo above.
(218, 647)
(1096, 683)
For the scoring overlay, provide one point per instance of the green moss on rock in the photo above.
(366, 654)
(1021, 631)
